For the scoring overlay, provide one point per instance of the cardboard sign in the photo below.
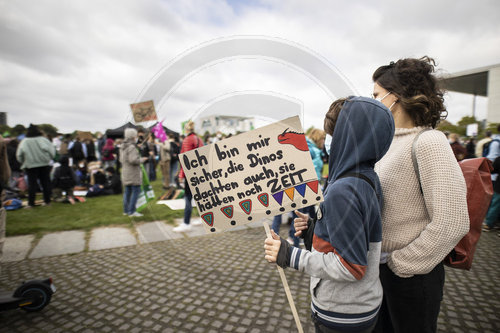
(261, 173)
(143, 111)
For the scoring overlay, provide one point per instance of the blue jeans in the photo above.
(188, 196)
(291, 233)
(130, 197)
(174, 168)
(493, 211)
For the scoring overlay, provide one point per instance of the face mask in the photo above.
(328, 143)
(381, 99)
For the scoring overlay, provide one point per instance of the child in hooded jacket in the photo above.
(343, 261)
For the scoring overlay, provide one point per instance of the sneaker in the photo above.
(290, 241)
(487, 228)
(182, 227)
(136, 214)
(196, 222)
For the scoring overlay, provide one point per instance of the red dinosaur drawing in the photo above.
(298, 140)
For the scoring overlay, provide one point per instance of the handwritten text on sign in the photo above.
(265, 172)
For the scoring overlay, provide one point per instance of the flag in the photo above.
(159, 132)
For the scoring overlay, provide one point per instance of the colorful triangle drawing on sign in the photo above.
(290, 192)
(246, 205)
(301, 189)
(278, 197)
(227, 210)
(313, 186)
(264, 199)
(208, 218)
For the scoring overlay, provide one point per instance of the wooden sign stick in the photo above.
(285, 285)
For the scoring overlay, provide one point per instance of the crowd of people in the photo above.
(374, 248)
(89, 166)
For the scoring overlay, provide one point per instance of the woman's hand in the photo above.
(272, 247)
(300, 223)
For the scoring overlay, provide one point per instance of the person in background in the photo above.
(113, 183)
(493, 152)
(118, 144)
(107, 153)
(131, 172)
(82, 173)
(76, 150)
(63, 148)
(4, 179)
(458, 149)
(35, 153)
(151, 162)
(15, 166)
(64, 180)
(91, 155)
(480, 144)
(422, 218)
(101, 141)
(165, 158)
(174, 159)
(471, 148)
(343, 261)
(191, 142)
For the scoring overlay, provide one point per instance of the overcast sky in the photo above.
(79, 64)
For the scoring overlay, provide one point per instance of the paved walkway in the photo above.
(160, 281)
(70, 242)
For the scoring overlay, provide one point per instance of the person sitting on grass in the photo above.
(64, 180)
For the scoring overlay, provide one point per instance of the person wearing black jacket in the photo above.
(113, 183)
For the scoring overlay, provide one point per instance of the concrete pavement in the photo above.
(205, 283)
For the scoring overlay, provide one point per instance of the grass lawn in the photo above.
(95, 212)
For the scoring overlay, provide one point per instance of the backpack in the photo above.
(106, 152)
(486, 147)
(477, 175)
(13, 204)
(64, 178)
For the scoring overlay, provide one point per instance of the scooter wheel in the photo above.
(39, 296)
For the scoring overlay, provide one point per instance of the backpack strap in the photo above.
(414, 156)
(360, 175)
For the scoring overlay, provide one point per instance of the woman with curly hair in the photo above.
(425, 214)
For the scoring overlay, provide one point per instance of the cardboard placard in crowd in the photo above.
(143, 111)
(257, 174)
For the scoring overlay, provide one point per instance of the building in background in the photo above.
(3, 118)
(484, 81)
(224, 124)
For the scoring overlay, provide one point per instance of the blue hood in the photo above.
(362, 135)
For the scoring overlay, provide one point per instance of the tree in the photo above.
(48, 129)
(446, 126)
(18, 130)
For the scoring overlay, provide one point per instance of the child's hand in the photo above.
(272, 247)
(300, 223)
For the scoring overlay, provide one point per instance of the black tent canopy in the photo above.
(119, 131)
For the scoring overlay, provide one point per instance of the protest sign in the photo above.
(143, 111)
(261, 173)
(147, 194)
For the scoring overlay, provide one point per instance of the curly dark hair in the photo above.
(332, 115)
(413, 82)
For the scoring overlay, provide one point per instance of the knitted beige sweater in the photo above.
(419, 235)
